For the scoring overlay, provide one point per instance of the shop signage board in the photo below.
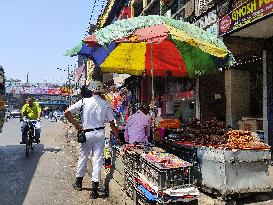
(208, 22)
(35, 91)
(125, 13)
(169, 108)
(202, 6)
(247, 13)
(179, 95)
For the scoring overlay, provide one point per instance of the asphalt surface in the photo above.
(43, 178)
(46, 177)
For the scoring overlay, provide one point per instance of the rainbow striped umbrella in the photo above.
(159, 46)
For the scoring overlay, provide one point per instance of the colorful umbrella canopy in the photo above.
(74, 51)
(160, 46)
(80, 49)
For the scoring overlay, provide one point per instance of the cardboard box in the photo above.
(251, 124)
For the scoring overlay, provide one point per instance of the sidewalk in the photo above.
(114, 179)
(118, 195)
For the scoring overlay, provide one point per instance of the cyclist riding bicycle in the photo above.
(32, 111)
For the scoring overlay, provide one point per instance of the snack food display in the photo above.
(209, 133)
(165, 160)
(215, 134)
(170, 124)
(240, 139)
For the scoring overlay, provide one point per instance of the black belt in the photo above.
(90, 130)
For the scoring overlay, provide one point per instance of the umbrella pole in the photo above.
(152, 75)
(153, 92)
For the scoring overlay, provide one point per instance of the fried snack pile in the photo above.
(209, 133)
(239, 139)
(170, 124)
(214, 133)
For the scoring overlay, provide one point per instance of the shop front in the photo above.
(247, 31)
(180, 105)
(176, 98)
(230, 161)
(133, 84)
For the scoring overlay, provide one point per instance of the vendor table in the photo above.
(227, 172)
(234, 171)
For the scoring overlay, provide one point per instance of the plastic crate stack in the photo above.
(187, 153)
(131, 166)
(164, 178)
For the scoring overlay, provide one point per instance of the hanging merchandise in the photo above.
(121, 105)
(107, 155)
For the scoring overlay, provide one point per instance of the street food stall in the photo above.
(227, 162)
(158, 46)
(187, 158)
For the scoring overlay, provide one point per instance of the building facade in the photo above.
(246, 28)
(242, 94)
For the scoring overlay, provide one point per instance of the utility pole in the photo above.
(69, 85)
(27, 77)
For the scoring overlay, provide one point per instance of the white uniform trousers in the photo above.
(95, 143)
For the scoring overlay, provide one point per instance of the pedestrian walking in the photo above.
(95, 112)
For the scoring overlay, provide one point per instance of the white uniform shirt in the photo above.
(96, 112)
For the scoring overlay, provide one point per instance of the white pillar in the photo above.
(197, 99)
(145, 4)
(265, 119)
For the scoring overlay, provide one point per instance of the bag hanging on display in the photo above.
(81, 138)
(107, 155)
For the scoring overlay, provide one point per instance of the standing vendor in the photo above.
(138, 127)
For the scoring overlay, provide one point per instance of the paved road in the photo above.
(40, 179)
(27, 181)
(11, 132)
(45, 177)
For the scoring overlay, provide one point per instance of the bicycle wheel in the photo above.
(27, 145)
(31, 138)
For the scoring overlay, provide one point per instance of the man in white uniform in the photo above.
(95, 112)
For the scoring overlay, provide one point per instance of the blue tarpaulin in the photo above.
(87, 51)
(150, 196)
(101, 53)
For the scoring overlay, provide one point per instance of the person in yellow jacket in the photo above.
(32, 111)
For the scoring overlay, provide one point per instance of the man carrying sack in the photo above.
(95, 112)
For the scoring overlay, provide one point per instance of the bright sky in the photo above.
(34, 35)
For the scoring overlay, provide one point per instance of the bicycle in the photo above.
(30, 130)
